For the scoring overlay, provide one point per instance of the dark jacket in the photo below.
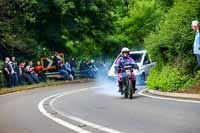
(73, 63)
(83, 66)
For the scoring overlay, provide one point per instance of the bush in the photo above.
(190, 83)
(172, 41)
(167, 78)
(171, 47)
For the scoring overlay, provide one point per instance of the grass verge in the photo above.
(42, 84)
(192, 90)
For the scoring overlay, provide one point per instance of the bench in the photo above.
(57, 75)
(54, 75)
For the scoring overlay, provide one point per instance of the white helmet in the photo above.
(125, 49)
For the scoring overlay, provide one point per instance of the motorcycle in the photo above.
(129, 82)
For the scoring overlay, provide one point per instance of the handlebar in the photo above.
(134, 66)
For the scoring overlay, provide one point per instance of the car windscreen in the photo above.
(137, 57)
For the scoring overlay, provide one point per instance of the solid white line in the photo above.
(79, 120)
(57, 120)
(53, 98)
(93, 125)
(166, 98)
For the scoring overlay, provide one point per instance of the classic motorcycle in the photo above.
(129, 82)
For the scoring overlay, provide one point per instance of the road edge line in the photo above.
(166, 98)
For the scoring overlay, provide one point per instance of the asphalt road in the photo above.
(94, 108)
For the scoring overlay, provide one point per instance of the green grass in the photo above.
(40, 85)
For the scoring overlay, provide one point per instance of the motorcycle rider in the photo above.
(124, 60)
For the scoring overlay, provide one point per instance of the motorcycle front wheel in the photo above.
(125, 90)
(130, 89)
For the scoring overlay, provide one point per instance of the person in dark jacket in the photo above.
(16, 71)
(60, 67)
(73, 66)
(9, 72)
(22, 75)
(29, 69)
(85, 69)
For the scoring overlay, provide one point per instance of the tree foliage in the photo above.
(100, 28)
(172, 42)
(71, 26)
(91, 27)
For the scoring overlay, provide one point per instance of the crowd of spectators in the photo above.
(25, 73)
(92, 69)
(22, 73)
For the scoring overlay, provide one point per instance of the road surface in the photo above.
(94, 108)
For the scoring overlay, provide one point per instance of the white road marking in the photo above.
(57, 120)
(166, 98)
(79, 120)
(96, 126)
(53, 98)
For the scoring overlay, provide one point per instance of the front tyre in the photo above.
(130, 89)
(125, 91)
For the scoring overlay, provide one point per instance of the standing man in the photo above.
(16, 70)
(196, 50)
(9, 72)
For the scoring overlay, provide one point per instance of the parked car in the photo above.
(144, 62)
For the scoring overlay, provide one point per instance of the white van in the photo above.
(142, 59)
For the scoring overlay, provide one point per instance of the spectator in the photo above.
(60, 67)
(25, 75)
(69, 70)
(16, 71)
(30, 70)
(93, 69)
(85, 69)
(21, 73)
(196, 50)
(38, 70)
(93, 66)
(73, 66)
(82, 65)
(57, 59)
(9, 72)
